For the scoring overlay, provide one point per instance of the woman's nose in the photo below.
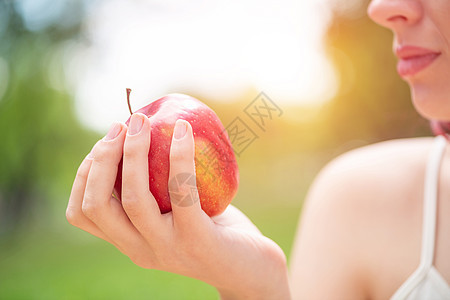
(395, 14)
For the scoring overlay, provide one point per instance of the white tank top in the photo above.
(426, 283)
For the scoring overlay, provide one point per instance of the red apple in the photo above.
(215, 163)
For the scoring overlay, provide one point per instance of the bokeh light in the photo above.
(217, 49)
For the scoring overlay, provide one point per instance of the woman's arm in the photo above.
(226, 251)
(328, 257)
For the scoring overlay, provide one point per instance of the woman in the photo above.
(361, 231)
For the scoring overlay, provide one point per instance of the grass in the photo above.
(70, 264)
(62, 262)
(54, 267)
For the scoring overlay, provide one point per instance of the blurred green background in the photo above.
(42, 142)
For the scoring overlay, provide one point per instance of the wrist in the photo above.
(279, 293)
(268, 282)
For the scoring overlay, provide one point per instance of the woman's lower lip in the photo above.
(412, 65)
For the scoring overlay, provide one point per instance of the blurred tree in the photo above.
(373, 103)
(41, 140)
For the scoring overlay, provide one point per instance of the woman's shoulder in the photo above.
(382, 159)
(385, 167)
(385, 177)
(373, 197)
(361, 220)
(384, 170)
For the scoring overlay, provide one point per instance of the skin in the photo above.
(359, 235)
(425, 24)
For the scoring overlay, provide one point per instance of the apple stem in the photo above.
(128, 100)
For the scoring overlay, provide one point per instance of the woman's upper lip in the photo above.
(407, 51)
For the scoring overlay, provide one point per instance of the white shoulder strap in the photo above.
(430, 203)
(429, 219)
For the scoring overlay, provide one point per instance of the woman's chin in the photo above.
(433, 113)
(431, 106)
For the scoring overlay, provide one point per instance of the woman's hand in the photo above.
(226, 251)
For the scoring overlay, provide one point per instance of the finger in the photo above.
(106, 157)
(98, 204)
(74, 214)
(182, 181)
(137, 200)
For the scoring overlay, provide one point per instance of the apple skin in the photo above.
(217, 172)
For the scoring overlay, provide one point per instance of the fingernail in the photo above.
(136, 122)
(180, 130)
(113, 132)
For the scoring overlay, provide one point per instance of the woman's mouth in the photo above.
(413, 59)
